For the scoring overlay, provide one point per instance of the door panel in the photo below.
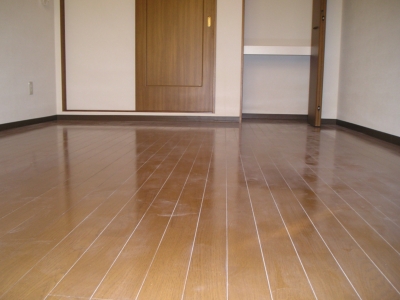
(178, 28)
(317, 62)
(175, 55)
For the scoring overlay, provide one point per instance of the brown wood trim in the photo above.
(321, 63)
(63, 56)
(274, 117)
(371, 132)
(148, 118)
(317, 62)
(27, 122)
(242, 69)
(214, 83)
(328, 121)
(134, 111)
(102, 111)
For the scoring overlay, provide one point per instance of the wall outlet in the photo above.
(30, 87)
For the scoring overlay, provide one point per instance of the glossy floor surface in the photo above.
(265, 210)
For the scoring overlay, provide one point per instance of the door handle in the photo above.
(316, 27)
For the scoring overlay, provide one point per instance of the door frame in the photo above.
(317, 59)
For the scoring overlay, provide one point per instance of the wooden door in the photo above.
(317, 62)
(175, 55)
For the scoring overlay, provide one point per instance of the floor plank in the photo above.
(247, 276)
(206, 278)
(164, 210)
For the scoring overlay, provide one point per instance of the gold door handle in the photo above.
(209, 21)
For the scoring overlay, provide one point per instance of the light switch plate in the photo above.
(30, 87)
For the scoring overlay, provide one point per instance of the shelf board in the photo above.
(277, 47)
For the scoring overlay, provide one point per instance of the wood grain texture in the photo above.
(175, 55)
(63, 56)
(317, 62)
(263, 210)
(174, 39)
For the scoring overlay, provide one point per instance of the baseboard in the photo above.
(368, 131)
(285, 117)
(188, 118)
(147, 118)
(371, 132)
(328, 121)
(27, 122)
(274, 117)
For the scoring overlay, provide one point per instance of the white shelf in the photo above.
(277, 47)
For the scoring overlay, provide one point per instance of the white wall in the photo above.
(276, 84)
(280, 84)
(228, 87)
(370, 65)
(100, 48)
(267, 20)
(27, 54)
(330, 94)
(228, 61)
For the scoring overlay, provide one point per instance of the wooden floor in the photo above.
(266, 210)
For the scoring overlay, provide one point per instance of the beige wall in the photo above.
(370, 65)
(27, 54)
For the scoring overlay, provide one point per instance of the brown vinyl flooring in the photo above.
(262, 210)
